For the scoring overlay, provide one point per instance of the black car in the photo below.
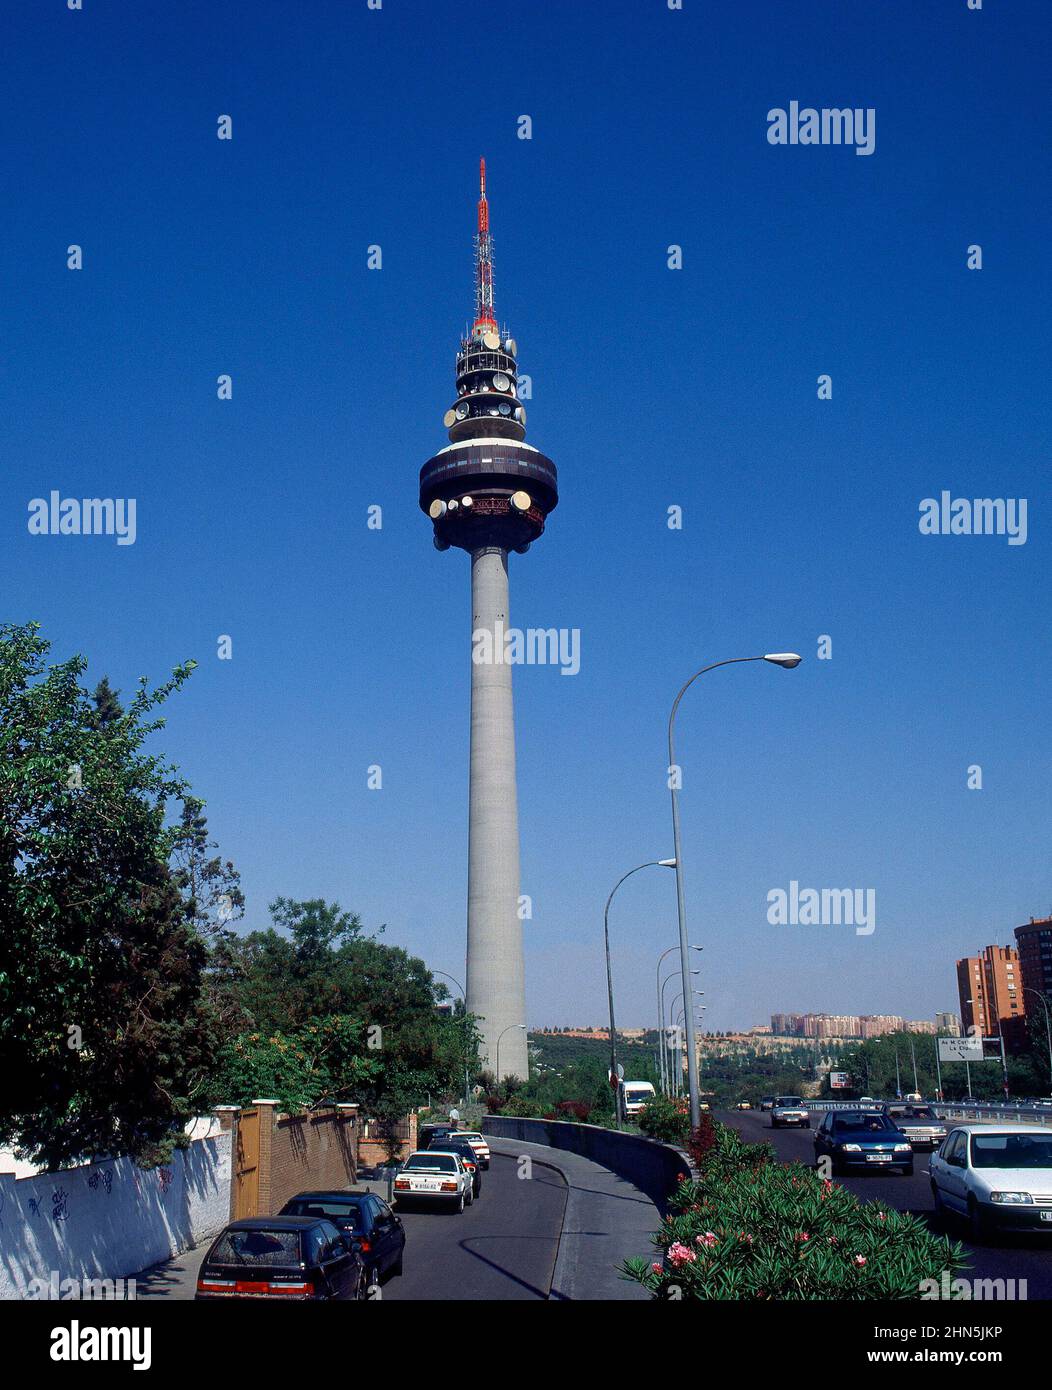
(450, 1144)
(376, 1232)
(428, 1132)
(863, 1139)
(282, 1257)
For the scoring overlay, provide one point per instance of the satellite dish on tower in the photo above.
(461, 411)
(500, 381)
(448, 418)
(511, 347)
(491, 341)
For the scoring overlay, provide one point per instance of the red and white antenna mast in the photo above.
(484, 319)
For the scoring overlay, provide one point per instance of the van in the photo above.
(634, 1095)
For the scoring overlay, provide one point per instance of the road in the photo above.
(503, 1247)
(1011, 1257)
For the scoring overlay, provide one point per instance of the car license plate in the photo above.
(878, 1158)
(1046, 1216)
(431, 1184)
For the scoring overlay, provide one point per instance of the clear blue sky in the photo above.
(651, 388)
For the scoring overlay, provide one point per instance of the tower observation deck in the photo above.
(489, 492)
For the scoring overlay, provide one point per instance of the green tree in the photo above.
(105, 1036)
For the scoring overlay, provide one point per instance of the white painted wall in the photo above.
(110, 1219)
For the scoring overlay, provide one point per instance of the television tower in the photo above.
(488, 492)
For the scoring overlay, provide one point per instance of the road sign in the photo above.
(839, 1080)
(476, 1090)
(961, 1050)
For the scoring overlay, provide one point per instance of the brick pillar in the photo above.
(268, 1110)
(227, 1115)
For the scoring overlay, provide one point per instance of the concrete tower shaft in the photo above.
(496, 982)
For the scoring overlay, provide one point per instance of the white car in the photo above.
(434, 1177)
(789, 1110)
(998, 1177)
(478, 1143)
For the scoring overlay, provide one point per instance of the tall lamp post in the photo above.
(679, 1022)
(787, 660)
(661, 1014)
(650, 864)
(459, 986)
(664, 982)
(1027, 989)
(667, 978)
(510, 1028)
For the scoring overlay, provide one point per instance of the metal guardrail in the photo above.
(953, 1110)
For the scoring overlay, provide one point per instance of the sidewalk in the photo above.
(607, 1219)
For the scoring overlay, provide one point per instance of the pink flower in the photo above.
(860, 1260)
(802, 1236)
(709, 1239)
(681, 1255)
(657, 1268)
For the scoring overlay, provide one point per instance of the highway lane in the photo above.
(1005, 1257)
(503, 1246)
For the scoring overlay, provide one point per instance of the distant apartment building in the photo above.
(918, 1025)
(831, 1025)
(948, 1024)
(877, 1025)
(787, 1025)
(990, 986)
(1034, 944)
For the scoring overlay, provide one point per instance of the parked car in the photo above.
(434, 1177)
(998, 1177)
(374, 1229)
(866, 1100)
(789, 1110)
(455, 1144)
(862, 1139)
(478, 1143)
(767, 1102)
(919, 1123)
(282, 1257)
(426, 1133)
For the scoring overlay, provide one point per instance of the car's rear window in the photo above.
(258, 1247)
(794, 1101)
(346, 1213)
(441, 1163)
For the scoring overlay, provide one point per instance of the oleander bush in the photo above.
(666, 1120)
(751, 1228)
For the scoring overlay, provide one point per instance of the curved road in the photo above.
(1011, 1257)
(503, 1247)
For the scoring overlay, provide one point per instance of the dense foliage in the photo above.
(751, 1228)
(880, 1065)
(665, 1119)
(128, 1003)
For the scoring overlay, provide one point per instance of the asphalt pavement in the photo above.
(1016, 1257)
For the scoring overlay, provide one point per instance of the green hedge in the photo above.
(751, 1228)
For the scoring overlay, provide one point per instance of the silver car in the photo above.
(789, 1110)
(998, 1177)
(919, 1123)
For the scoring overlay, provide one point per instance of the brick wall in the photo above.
(314, 1150)
(372, 1148)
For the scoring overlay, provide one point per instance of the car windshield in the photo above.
(861, 1124)
(913, 1112)
(347, 1214)
(470, 1136)
(434, 1163)
(1012, 1150)
(638, 1095)
(261, 1247)
(784, 1101)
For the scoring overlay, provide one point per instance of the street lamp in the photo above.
(464, 996)
(1027, 989)
(683, 1009)
(651, 863)
(787, 660)
(661, 1015)
(673, 976)
(499, 1036)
